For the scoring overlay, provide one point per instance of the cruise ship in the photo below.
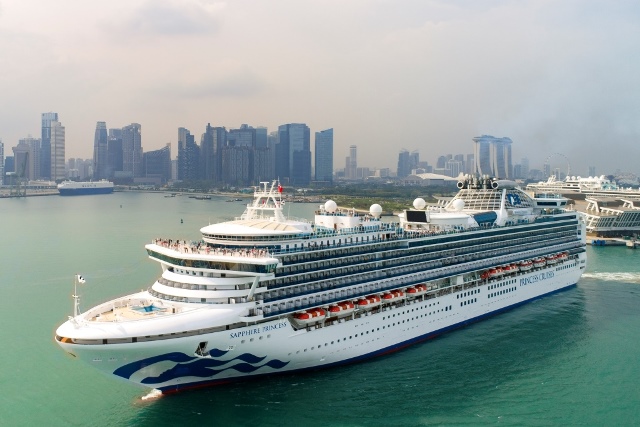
(574, 186)
(265, 294)
(75, 188)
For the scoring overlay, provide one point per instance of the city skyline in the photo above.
(550, 75)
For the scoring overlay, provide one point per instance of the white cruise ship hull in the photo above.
(172, 365)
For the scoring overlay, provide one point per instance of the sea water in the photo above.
(570, 358)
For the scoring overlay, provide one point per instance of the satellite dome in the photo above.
(375, 210)
(330, 206)
(458, 204)
(419, 203)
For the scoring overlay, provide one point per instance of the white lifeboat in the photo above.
(417, 290)
(562, 256)
(341, 309)
(509, 269)
(369, 302)
(393, 296)
(310, 316)
(551, 259)
(525, 265)
(539, 262)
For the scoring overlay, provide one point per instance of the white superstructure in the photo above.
(265, 294)
(594, 185)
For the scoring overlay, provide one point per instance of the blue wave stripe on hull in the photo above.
(381, 352)
(201, 369)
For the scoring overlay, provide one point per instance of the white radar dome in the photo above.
(419, 203)
(458, 204)
(375, 210)
(330, 206)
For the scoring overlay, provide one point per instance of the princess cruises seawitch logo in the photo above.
(201, 367)
(536, 278)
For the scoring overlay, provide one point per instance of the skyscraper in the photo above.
(57, 151)
(45, 157)
(294, 138)
(132, 150)
(100, 152)
(493, 156)
(157, 164)
(324, 155)
(188, 156)
(404, 164)
(351, 163)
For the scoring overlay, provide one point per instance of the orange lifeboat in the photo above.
(342, 309)
(393, 296)
(495, 272)
(539, 262)
(369, 302)
(509, 269)
(484, 275)
(310, 316)
(417, 290)
(525, 265)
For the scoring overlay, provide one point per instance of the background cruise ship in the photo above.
(265, 294)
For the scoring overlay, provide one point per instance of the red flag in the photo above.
(279, 188)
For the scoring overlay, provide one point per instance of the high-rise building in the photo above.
(35, 153)
(24, 161)
(592, 171)
(100, 152)
(157, 164)
(243, 137)
(114, 153)
(524, 168)
(404, 164)
(493, 156)
(188, 156)
(324, 156)
(132, 151)
(351, 163)
(213, 140)
(292, 138)
(261, 137)
(57, 152)
(45, 157)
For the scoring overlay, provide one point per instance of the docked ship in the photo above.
(265, 294)
(578, 187)
(76, 188)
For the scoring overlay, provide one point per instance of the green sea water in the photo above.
(567, 359)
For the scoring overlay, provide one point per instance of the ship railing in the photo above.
(290, 305)
(373, 264)
(202, 248)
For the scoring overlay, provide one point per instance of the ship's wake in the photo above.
(614, 277)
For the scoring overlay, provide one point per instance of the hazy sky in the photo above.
(556, 76)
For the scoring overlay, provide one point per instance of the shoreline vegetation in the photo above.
(357, 197)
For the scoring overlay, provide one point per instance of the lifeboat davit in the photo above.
(393, 296)
(539, 262)
(369, 302)
(310, 316)
(525, 265)
(495, 272)
(342, 309)
(551, 259)
(416, 290)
